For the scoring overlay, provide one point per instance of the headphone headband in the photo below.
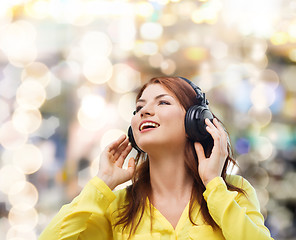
(200, 96)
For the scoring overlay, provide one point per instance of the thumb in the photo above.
(131, 166)
(199, 150)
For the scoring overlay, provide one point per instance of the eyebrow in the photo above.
(157, 97)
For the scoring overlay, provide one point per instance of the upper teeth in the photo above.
(148, 124)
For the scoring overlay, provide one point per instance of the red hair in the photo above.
(138, 192)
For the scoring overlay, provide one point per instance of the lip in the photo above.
(144, 130)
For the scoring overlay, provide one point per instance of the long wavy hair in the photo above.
(137, 193)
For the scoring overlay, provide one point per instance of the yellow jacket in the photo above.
(93, 212)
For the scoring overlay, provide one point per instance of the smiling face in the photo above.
(159, 120)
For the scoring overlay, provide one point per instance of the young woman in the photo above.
(180, 188)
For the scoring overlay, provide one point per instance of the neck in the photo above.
(168, 176)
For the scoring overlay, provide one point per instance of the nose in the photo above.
(147, 111)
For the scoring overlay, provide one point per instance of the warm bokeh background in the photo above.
(69, 71)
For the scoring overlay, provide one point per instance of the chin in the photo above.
(147, 146)
(153, 146)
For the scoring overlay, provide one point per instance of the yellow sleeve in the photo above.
(237, 215)
(85, 217)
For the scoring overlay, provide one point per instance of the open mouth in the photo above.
(147, 125)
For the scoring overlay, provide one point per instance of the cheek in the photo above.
(178, 120)
(134, 123)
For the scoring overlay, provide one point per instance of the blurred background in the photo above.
(70, 70)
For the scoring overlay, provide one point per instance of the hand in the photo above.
(212, 167)
(111, 162)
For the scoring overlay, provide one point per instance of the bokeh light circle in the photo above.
(5, 110)
(21, 57)
(10, 138)
(151, 30)
(124, 79)
(270, 77)
(288, 78)
(97, 69)
(23, 194)
(26, 217)
(261, 116)
(36, 71)
(10, 174)
(38, 9)
(30, 94)
(126, 106)
(110, 136)
(19, 53)
(168, 67)
(144, 9)
(6, 16)
(264, 148)
(262, 95)
(26, 120)
(28, 158)
(14, 32)
(20, 232)
(92, 114)
(96, 44)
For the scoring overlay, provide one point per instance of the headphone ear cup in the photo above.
(132, 140)
(195, 126)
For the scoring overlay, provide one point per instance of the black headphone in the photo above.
(195, 126)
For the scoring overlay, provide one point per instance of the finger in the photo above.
(199, 151)
(218, 125)
(128, 173)
(210, 124)
(214, 132)
(224, 136)
(221, 129)
(120, 160)
(120, 149)
(220, 139)
(217, 139)
(114, 145)
(131, 165)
